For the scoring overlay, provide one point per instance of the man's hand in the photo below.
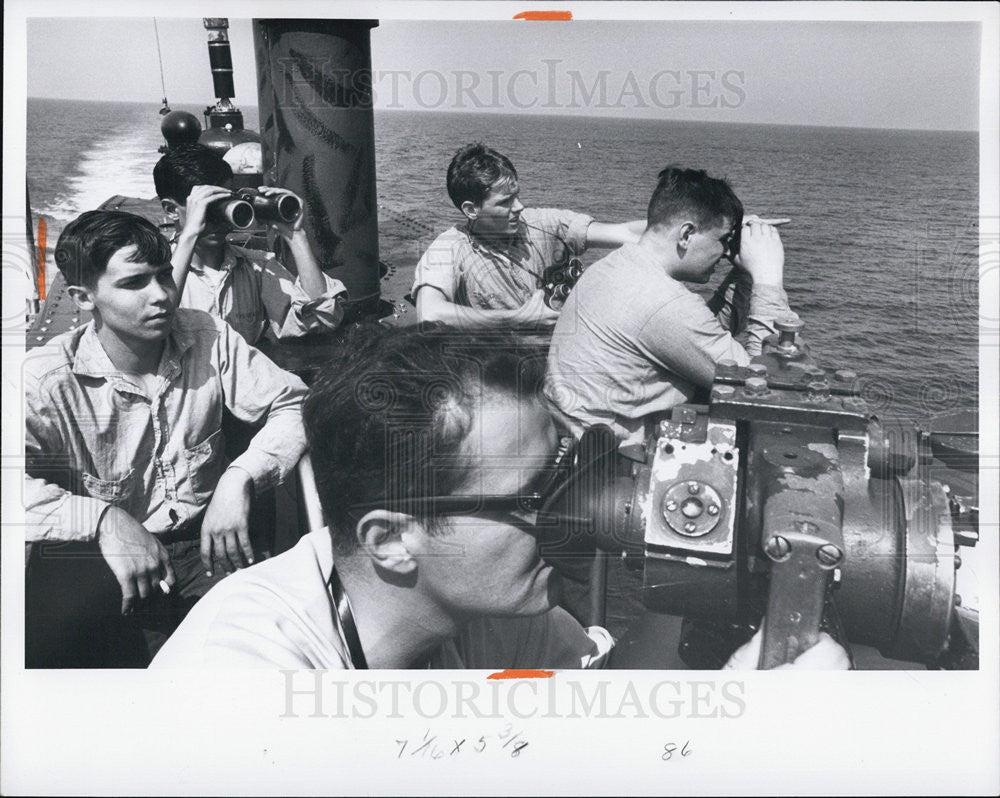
(285, 229)
(761, 253)
(826, 655)
(535, 313)
(196, 208)
(138, 560)
(225, 531)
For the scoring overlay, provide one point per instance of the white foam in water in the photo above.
(120, 164)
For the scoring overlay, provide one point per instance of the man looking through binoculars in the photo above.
(249, 289)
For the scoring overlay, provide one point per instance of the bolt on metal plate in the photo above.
(692, 508)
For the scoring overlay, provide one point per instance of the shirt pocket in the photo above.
(203, 466)
(113, 491)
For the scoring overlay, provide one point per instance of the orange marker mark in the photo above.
(545, 16)
(521, 674)
(41, 259)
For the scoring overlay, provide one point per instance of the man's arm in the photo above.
(687, 339)
(194, 225)
(254, 389)
(136, 557)
(731, 301)
(289, 310)
(312, 301)
(762, 256)
(294, 234)
(432, 305)
(606, 235)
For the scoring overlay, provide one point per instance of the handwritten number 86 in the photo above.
(670, 748)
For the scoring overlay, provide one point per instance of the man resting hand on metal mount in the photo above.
(487, 271)
(632, 341)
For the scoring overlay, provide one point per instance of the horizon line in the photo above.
(482, 112)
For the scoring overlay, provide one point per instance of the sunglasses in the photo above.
(553, 481)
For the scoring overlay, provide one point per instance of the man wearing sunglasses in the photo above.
(433, 454)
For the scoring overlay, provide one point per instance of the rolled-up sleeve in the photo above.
(575, 226)
(749, 310)
(438, 267)
(686, 338)
(290, 312)
(767, 304)
(52, 513)
(255, 390)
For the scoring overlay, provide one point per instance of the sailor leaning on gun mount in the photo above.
(632, 341)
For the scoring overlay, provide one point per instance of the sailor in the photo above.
(250, 289)
(428, 449)
(127, 487)
(632, 340)
(486, 271)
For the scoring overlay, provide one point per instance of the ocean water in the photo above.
(881, 255)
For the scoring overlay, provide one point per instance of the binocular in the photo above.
(245, 206)
(558, 280)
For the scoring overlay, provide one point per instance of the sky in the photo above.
(920, 75)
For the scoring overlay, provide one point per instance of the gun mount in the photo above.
(785, 498)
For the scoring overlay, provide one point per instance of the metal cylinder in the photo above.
(220, 58)
(318, 130)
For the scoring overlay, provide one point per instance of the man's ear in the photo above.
(685, 233)
(171, 208)
(386, 538)
(470, 209)
(82, 296)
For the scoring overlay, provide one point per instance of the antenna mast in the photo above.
(166, 108)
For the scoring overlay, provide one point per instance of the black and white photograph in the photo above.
(540, 359)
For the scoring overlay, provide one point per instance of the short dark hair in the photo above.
(474, 170)
(87, 243)
(692, 192)
(186, 166)
(386, 418)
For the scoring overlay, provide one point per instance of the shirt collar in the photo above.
(92, 361)
(501, 245)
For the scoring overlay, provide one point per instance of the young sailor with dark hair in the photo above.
(250, 289)
(486, 271)
(127, 486)
(632, 341)
(431, 449)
